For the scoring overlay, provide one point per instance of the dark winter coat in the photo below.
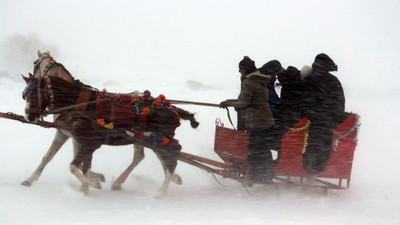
(252, 104)
(324, 98)
(274, 100)
(292, 107)
(325, 105)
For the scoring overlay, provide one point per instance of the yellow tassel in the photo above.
(109, 126)
(306, 138)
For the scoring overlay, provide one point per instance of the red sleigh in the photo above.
(232, 147)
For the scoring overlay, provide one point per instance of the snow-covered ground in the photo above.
(189, 51)
(55, 199)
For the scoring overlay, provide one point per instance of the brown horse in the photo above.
(46, 65)
(152, 123)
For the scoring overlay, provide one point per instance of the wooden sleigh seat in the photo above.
(340, 162)
(232, 146)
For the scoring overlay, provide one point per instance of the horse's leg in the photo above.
(91, 175)
(86, 165)
(84, 156)
(174, 177)
(138, 156)
(169, 160)
(167, 178)
(58, 141)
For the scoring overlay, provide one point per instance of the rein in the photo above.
(39, 97)
(203, 104)
(193, 103)
(55, 111)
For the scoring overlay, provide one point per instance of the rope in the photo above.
(39, 98)
(229, 117)
(56, 111)
(246, 189)
(203, 104)
(193, 103)
(294, 130)
(215, 178)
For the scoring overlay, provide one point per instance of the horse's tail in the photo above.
(183, 114)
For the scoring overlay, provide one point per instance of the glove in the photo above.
(227, 103)
(223, 104)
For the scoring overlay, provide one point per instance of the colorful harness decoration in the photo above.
(50, 92)
(28, 89)
(303, 128)
(32, 86)
(131, 110)
(51, 64)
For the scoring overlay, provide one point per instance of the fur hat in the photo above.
(323, 61)
(247, 64)
(305, 71)
(271, 67)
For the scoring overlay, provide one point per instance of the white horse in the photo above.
(43, 66)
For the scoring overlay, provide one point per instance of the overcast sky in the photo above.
(174, 41)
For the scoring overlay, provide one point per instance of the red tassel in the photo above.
(101, 122)
(165, 140)
(145, 111)
(117, 95)
(157, 102)
(134, 100)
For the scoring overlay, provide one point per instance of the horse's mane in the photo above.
(76, 85)
(75, 81)
(69, 74)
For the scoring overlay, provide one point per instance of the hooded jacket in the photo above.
(325, 105)
(252, 103)
(324, 93)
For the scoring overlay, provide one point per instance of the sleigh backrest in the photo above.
(293, 145)
(344, 143)
(232, 146)
(341, 158)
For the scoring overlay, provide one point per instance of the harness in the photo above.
(32, 86)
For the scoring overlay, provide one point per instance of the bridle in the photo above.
(43, 74)
(38, 86)
(37, 64)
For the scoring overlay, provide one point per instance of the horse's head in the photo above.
(35, 98)
(40, 65)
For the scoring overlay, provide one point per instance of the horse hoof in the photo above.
(116, 187)
(176, 179)
(160, 194)
(26, 183)
(97, 177)
(85, 190)
(97, 185)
